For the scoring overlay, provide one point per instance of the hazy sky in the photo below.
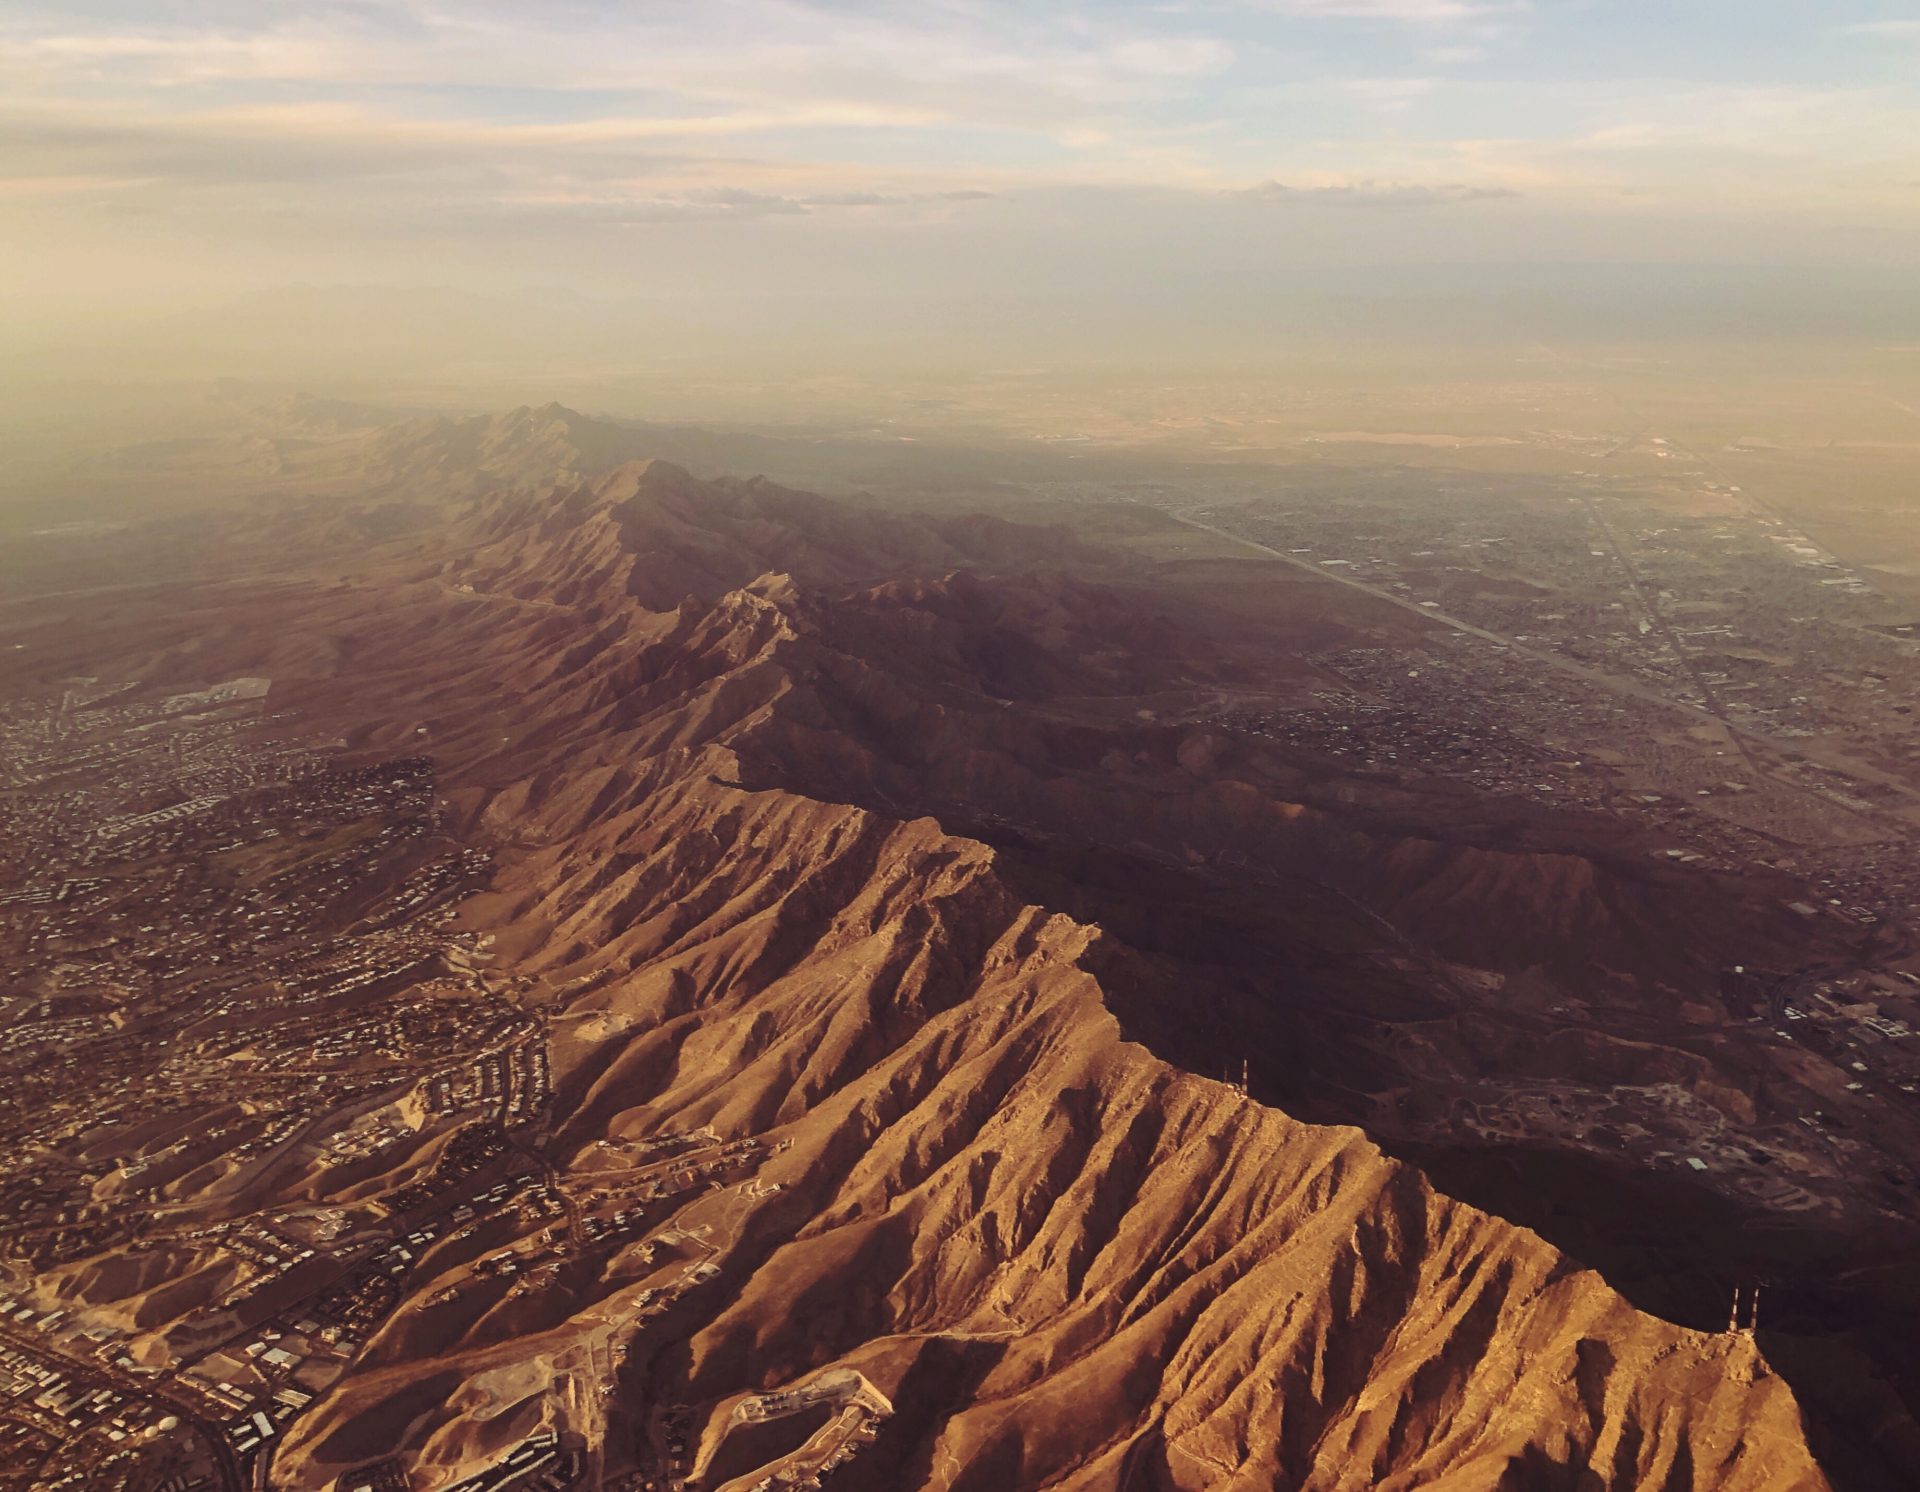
(158, 152)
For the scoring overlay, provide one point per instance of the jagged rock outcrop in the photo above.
(898, 859)
(1065, 1261)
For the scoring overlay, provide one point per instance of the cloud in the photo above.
(386, 118)
(1899, 30)
(353, 166)
(180, 58)
(718, 203)
(1376, 193)
(890, 199)
(984, 53)
(1390, 94)
(1416, 12)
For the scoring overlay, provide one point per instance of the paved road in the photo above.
(1650, 604)
(1738, 736)
(1445, 619)
(1758, 507)
(99, 1375)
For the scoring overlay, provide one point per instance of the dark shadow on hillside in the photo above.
(1288, 989)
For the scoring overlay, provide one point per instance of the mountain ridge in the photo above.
(905, 856)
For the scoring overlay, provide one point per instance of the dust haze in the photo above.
(795, 744)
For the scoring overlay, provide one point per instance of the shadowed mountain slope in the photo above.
(891, 856)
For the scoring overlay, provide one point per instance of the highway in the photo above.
(1446, 619)
(1738, 736)
(1650, 604)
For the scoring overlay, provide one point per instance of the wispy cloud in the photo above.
(352, 162)
(1899, 30)
(1391, 94)
(380, 121)
(1419, 12)
(721, 49)
(1377, 193)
